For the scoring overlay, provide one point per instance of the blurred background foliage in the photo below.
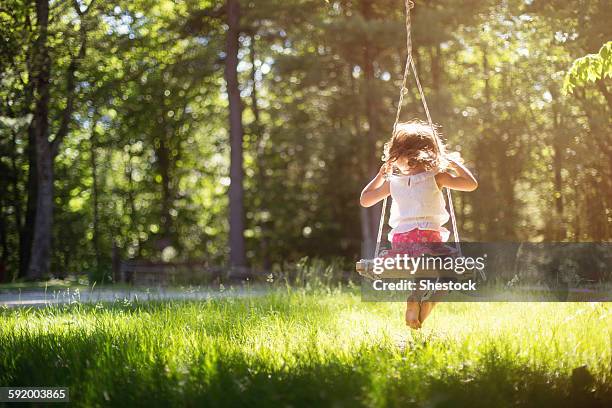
(144, 164)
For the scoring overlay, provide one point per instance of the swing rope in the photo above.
(403, 90)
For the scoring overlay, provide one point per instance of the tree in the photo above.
(236, 193)
(47, 150)
(591, 69)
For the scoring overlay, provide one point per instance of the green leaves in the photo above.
(589, 69)
(319, 82)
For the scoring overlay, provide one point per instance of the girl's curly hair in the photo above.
(417, 142)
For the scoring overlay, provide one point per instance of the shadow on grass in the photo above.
(101, 371)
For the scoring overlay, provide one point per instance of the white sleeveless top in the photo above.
(417, 202)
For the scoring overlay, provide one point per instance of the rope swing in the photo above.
(403, 90)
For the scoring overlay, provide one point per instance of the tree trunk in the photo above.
(368, 238)
(41, 242)
(485, 216)
(370, 217)
(94, 191)
(162, 151)
(27, 234)
(47, 150)
(131, 202)
(163, 155)
(4, 248)
(25, 224)
(4, 204)
(24, 231)
(261, 165)
(236, 190)
(558, 224)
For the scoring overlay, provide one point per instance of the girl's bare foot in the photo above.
(412, 315)
(425, 310)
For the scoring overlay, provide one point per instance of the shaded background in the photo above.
(114, 129)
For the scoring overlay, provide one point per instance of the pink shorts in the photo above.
(417, 242)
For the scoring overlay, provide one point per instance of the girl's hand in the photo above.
(454, 158)
(377, 189)
(463, 180)
(385, 169)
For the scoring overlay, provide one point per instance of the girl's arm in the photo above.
(463, 181)
(376, 190)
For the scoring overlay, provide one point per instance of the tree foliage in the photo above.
(589, 69)
(143, 166)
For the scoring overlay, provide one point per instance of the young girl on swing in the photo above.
(418, 209)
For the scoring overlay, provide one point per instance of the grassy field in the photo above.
(312, 348)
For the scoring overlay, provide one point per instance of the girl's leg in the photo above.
(431, 237)
(413, 311)
(425, 310)
(409, 242)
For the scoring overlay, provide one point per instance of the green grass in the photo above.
(312, 348)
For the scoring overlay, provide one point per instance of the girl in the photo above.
(416, 169)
